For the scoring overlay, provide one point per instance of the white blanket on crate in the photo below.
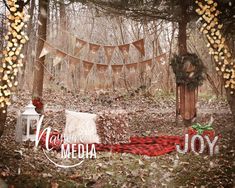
(80, 128)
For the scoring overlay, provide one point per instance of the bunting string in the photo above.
(60, 55)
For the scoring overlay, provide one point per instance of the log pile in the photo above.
(113, 127)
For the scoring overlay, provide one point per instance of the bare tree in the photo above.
(39, 64)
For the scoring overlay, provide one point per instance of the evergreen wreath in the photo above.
(189, 70)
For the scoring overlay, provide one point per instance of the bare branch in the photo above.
(4, 1)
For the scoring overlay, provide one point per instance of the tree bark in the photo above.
(39, 64)
(3, 110)
(182, 40)
(187, 97)
(27, 49)
(182, 36)
(231, 102)
(3, 117)
(230, 97)
(124, 60)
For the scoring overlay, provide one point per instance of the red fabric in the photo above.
(150, 146)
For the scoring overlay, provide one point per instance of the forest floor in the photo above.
(149, 116)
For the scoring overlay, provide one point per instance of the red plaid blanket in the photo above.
(150, 146)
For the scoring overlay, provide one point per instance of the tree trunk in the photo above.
(124, 60)
(63, 23)
(39, 64)
(3, 117)
(187, 97)
(230, 97)
(3, 110)
(231, 102)
(182, 36)
(27, 49)
(182, 40)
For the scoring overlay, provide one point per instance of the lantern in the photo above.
(29, 122)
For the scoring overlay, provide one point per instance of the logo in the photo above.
(68, 152)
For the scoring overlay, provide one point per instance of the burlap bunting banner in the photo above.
(124, 50)
(140, 46)
(109, 52)
(94, 48)
(87, 66)
(102, 68)
(161, 58)
(72, 62)
(47, 48)
(132, 67)
(80, 44)
(59, 56)
(117, 69)
(147, 64)
(102, 75)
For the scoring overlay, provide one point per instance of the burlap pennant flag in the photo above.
(59, 56)
(102, 68)
(73, 61)
(132, 67)
(109, 52)
(117, 69)
(94, 48)
(87, 66)
(161, 58)
(147, 64)
(102, 74)
(124, 50)
(140, 46)
(47, 48)
(80, 44)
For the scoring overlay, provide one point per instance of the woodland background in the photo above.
(65, 22)
(147, 96)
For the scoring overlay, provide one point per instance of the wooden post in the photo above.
(187, 97)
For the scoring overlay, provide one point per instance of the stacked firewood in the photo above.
(113, 127)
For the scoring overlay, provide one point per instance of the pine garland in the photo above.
(189, 70)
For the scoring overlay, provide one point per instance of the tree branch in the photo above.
(27, 2)
(4, 1)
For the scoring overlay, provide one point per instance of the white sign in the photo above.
(203, 142)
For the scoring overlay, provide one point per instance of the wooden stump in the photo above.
(187, 104)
